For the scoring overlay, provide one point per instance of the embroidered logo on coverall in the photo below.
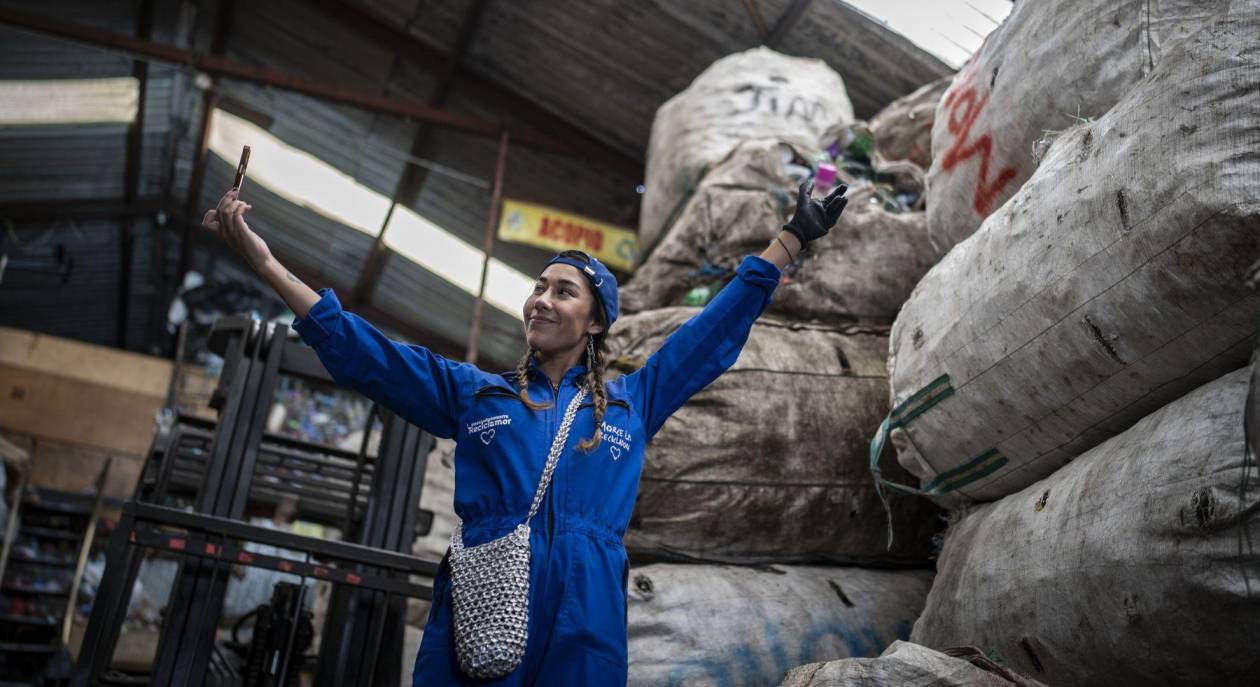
(618, 440)
(485, 427)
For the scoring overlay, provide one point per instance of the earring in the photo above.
(590, 353)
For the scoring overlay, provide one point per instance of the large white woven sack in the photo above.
(768, 463)
(903, 664)
(734, 626)
(903, 135)
(1111, 284)
(1050, 64)
(755, 94)
(1135, 565)
(860, 272)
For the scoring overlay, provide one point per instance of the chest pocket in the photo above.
(617, 440)
(495, 410)
(494, 391)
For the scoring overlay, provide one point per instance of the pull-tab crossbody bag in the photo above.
(490, 584)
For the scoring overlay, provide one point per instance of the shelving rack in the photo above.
(49, 537)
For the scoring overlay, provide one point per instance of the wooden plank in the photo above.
(69, 466)
(135, 373)
(69, 410)
(63, 390)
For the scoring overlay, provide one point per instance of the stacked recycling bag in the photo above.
(1071, 378)
(759, 541)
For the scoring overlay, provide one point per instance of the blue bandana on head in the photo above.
(602, 282)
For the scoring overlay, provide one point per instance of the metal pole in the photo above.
(131, 180)
(352, 504)
(492, 221)
(209, 101)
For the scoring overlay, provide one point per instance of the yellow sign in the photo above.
(544, 227)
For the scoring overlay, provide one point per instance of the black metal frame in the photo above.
(41, 636)
(379, 618)
(362, 641)
(221, 542)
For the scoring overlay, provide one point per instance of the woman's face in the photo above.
(560, 313)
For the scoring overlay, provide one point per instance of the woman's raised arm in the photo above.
(421, 386)
(412, 381)
(709, 343)
(704, 347)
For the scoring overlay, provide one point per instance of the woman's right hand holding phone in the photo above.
(228, 221)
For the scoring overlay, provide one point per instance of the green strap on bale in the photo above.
(922, 400)
(978, 467)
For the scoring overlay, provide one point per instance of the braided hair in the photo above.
(593, 381)
(522, 381)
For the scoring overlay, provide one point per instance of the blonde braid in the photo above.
(522, 382)
(594, 382)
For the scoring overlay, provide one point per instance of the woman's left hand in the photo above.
(814, 218)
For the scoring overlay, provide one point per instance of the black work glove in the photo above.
(814, 218)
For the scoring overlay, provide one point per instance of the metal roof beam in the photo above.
(131, 176)
(759, 22)
(209, 101)
(79, 209)
(220, 66)
(786, 22)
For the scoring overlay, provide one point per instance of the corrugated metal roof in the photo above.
(604, 65)
(25, 55)
(85, 306)
(66, 162)
(607, 65)
(370, 148)
(291, 36)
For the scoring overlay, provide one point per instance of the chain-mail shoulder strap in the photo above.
(557, 447)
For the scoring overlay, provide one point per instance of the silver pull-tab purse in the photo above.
(490, 584)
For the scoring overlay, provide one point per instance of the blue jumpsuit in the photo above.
(579, 570)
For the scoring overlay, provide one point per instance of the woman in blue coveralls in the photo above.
(503, 425)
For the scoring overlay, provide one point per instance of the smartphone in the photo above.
(240, 168)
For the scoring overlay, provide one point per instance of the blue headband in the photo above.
(602, 282)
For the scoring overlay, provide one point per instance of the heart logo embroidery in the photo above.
(615, 451)
(487, 436)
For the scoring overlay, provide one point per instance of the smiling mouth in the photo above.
(539, 320)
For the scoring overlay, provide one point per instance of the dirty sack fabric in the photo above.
(904, 664)
(1048, 66)
(902, 133)
(860, 272)
(768, 463)
(755, 94)
(1134, 565)
(1111, 284)
(736, 625)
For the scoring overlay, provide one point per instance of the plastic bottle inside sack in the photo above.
(824, 179)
